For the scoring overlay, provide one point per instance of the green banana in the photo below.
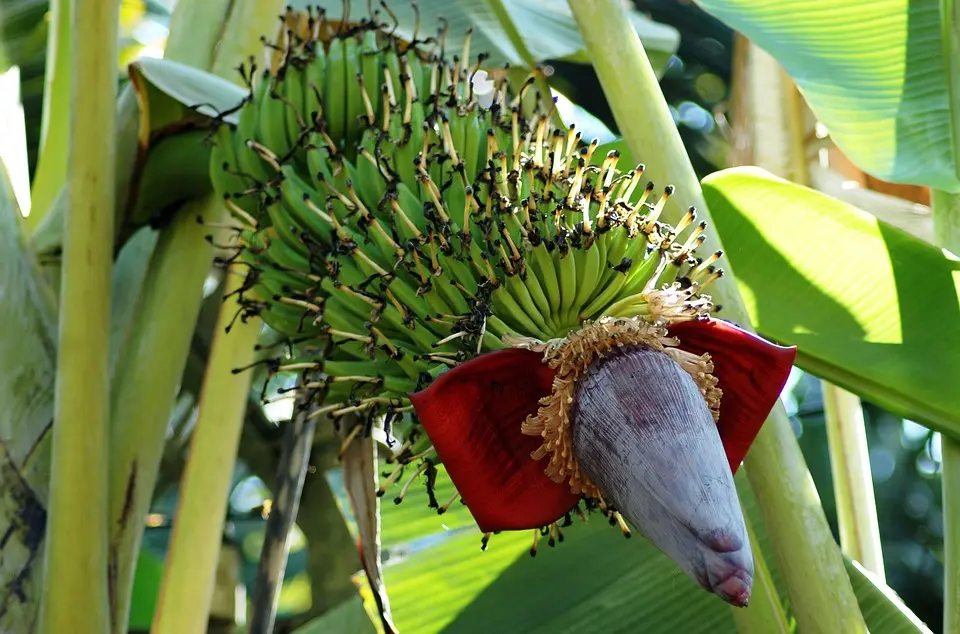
(399, 227)
(335, 91)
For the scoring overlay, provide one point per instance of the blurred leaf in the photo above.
(546, 28)
(23, 31)
(875, 73)
(347, 618)
(23, 43)
(883, 610)
(194, 88)
(27, 349)
(146, 589)
(870, 307)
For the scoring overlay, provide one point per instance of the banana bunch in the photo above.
(399, 214)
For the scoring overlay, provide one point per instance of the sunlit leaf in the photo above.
(348, 617)
(870, 307)
(594, 581)
(883, 610)
(875, 73)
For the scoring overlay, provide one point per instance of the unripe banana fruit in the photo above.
(403, 217)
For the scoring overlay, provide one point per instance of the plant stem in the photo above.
(151, 365)
(846, 433)
(821, 595)
(146, 381)
(51, 172)
(946, 233)
(191, 566)
(294, 461)
(852, 481)
(75, 593)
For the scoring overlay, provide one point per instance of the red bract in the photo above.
(473, 415)
(750, 370)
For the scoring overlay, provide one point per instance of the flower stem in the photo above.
(820, 591)
(946, 233)
(191, 566)
(849, 454)
(148, 373)
(852, 480)
(75, 592)
(765, 612)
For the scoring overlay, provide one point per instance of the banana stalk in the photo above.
(75, 592)
(813, 570)
(148, 373)
(151, 366)
(946, 229)
(191, 566)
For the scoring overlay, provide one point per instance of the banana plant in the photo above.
(481, 288)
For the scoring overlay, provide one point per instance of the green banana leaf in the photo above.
(882, 609)
(439, 580)
(27, 352)
(187, 86)
(870, 307)
(350, 616)
(875, 73)
(517, 32)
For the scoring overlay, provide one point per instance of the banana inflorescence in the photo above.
(399, 213)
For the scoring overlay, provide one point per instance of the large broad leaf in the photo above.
(882, 609)
(870, 307)
(349, 616)
(874, 72)
(518, 32)
(594, 581)
(27, 349)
